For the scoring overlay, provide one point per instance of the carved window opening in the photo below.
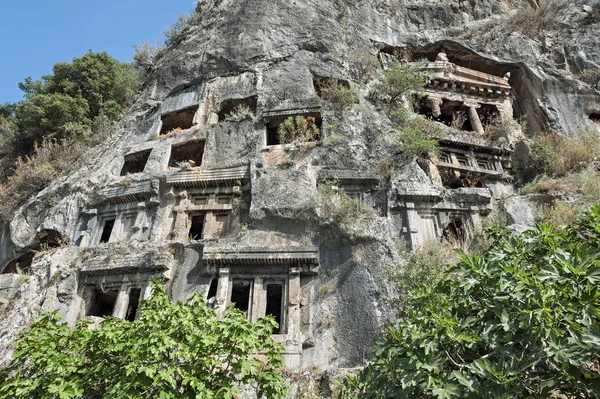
(134, 301)
(238, 109)
(595, 117)
(135, 163)
(109, 224)
(212, 291)
(275, 305)
(103, 303)
(241, 291)
(187, 154)
(178, 120)
(197, 227)
(299, 128)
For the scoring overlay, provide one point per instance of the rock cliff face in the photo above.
(199, 191)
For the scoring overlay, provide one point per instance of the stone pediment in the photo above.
(134, 192)
(196, 177)
(112, 264)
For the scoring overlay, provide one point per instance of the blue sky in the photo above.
(38, 33)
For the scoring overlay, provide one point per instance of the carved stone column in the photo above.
(122, 302)
(294, 297)
(181, 227)
(222, 290)
(435, 103)
(259, 299)
(474, 117)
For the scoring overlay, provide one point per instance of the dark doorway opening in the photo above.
(212, 291)
(135, 163)
(197, 227)
(134, 302)
(489, 115)
(273, 135)
(240, 295)
(275, 305)
(103, 303)
(178, 120)
(107, 230)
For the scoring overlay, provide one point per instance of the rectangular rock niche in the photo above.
(294, 128)
(178, 120)
(238, 109)
(135, 163)
(187, 154)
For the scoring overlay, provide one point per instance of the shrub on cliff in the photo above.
(173, 350)
(556, 155)
(399, 81)
(519, 320)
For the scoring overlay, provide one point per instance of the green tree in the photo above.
(173, 350)
(519, 320)
(398, 81)
(77, 92)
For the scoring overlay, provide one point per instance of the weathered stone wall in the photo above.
(272, 50)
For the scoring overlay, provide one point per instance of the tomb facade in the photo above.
(464, 98)
(267, 281)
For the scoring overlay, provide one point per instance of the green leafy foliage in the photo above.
(77, 92)
(399, 80)
(519, 320)
(334, 205)
(556, 155)
(173, 350)
(63, 115)
(415, 136)
(298, 129)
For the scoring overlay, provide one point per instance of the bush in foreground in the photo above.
(173, 350)
(519, 320)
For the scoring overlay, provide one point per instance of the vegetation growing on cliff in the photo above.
(399, 81)
(519, 320)
(172, 350)
(63, 115)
